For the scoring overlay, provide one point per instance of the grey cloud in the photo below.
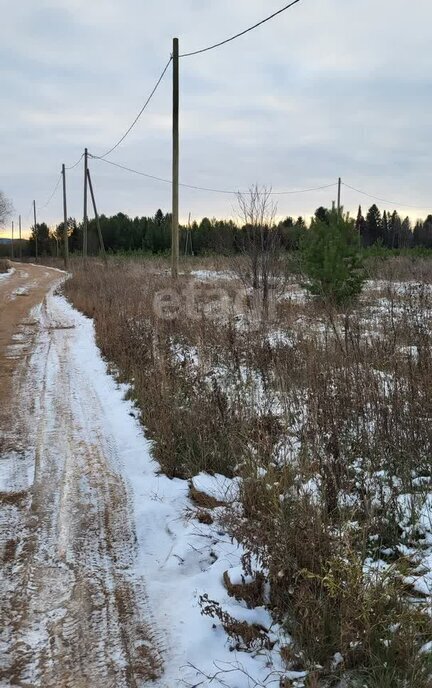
(328, 89)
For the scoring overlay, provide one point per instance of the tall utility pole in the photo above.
(65, 225)
(35, 231)
(85, 204)
(339, 196)
(101, 241)
(20, 241)
(12, 242)
(175, 171)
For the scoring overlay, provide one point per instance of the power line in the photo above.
(204, 188)
(71, 167)
(129, 169)
(242, 33)
(52, 195)
(300, 191)
(29, 212)
(384, 200)
(140, 112)
(76, 163)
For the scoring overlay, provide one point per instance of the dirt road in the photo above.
(73, 609)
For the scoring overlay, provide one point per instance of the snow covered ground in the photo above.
(8, 273)
(179, 558)
(81, 415)
(178, 561)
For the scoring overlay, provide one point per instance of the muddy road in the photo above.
(73, 608)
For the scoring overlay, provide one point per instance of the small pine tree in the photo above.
(331, 259)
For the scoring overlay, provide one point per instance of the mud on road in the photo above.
(73, 608)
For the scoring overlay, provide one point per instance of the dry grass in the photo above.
(250, 592)
(326, 418)
(13, 498)
(244, 636)
(4, 265)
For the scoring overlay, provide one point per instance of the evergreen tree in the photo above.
(418, 233)
(331, 259)
(422, 235)
(288, 222)
(159, 217)
(394, 229)
(42, 233)
(406, 234)
(361, 227)
(427, 232)
(374, 225)
(322, 214)
(290, 234)
(385, 230)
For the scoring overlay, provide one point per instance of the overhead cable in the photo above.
(205, 188)
(140, 112)
(384, 200)
(242, 33)
(52, 195)
(71, 167)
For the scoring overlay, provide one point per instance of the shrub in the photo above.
(4, 265)
(331, 260)
(332, 443)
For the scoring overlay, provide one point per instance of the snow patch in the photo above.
(8, 273)
(181, 559)
(217, 486)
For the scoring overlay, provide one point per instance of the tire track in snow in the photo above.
(77, 613)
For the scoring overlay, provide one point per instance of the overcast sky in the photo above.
(329, 88)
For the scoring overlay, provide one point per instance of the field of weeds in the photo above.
(325, 419)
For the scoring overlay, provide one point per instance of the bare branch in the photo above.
(6, 208)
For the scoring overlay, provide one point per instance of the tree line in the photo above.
(153, 234)
(391, 231)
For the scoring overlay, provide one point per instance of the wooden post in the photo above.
(101, 241)
(175, 161)
(65, 222)
(85, 220)
(35, 231)
(12, 242)
(339, 197)
(20, 240)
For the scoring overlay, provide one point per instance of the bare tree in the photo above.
(6, 208)
(259, 242)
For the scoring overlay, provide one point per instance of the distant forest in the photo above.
(153, 234)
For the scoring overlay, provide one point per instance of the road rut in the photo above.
(73, 608)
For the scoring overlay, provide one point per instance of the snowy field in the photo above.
(179, 558)
(302, 421)
(323, 421)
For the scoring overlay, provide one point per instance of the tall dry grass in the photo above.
(326, 417)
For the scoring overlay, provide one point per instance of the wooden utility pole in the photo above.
(35, 231)
(101, 241)
(12, 242)
(65, 222)
(339, 196)
(20, 241)
(85, 204)
(175, 171)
